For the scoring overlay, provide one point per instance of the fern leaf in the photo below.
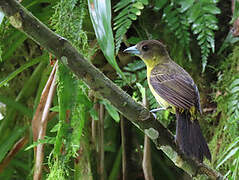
(233, 108)
(129, 10)
(178, 24)
(204, 23)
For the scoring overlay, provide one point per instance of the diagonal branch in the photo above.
(23, 20)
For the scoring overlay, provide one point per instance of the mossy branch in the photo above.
(23, 20)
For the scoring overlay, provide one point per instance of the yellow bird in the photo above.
(174, 88)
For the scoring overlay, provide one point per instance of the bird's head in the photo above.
(150, 51)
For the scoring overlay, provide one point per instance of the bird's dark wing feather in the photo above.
(177, 89)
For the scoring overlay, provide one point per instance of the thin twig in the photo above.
(93, 125)
(235, 28)
(101, 141)
(146, 163)
(123, 144)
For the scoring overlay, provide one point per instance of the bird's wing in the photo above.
(177, 89)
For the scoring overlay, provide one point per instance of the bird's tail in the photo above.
(190, 138)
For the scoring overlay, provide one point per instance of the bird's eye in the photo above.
(145, 48)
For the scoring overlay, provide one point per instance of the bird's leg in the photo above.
(158, 109)
(153, 111)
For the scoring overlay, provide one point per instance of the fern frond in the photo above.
(177, 22)
(233, 102)
(129, 10)
(204, 22)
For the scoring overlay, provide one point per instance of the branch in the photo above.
(147, 163)
(101, 141)
(123, 145)
(23, 20)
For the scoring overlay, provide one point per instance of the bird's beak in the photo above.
(132, 50)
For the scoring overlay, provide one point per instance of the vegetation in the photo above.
(51, 119)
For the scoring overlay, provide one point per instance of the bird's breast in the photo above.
(160, 100)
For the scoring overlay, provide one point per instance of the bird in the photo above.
(175, 90)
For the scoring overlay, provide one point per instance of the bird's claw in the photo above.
(156, 110)
(155, 116)
(153, 111)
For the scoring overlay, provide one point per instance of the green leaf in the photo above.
(185, 4)
(234, 90)
(46, 140)
(111, 110)
(211, 8)
(94, 114)
(9, 142)
(138, 5)
(17, 106)
(123, 26)
(142, 90)
(197, 27)
(120, 21)
(100, 14)
(123, 13)
(210, 19)
(229, 155)
(22, 68)
(55, 109)
(135, 11)
(195, 12)
(213, 26)
(121, 4)
(132, 16)
(18, 38)
(160, 3)
(55, 128)
(234, 83)
(204, 62)
(136, 65)
(210, 39)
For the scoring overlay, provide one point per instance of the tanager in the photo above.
(174, 89)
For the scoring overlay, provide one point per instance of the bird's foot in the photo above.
(156, 110)
(175, 139)
(154, 114)
(153, 111)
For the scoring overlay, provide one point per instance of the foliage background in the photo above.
(199, 37)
